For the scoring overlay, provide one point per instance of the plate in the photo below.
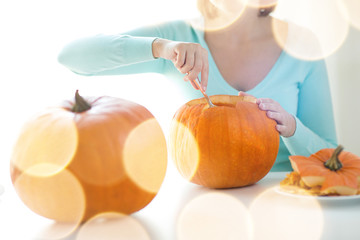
(322, 198)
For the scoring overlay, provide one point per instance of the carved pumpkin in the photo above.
(87, 157)
(336, 171)
(231, 145)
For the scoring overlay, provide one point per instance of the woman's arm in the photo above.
(315, 126)
(113, 54)
(138, 51)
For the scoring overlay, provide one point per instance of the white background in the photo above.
(33, 33)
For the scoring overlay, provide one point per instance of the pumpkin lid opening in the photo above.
(223, 100)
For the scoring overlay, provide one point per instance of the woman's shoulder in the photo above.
(179, 30)
(178, 23)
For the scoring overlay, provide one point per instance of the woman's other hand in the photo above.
(189, 58)
(286, 124)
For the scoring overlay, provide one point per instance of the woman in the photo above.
(236, 52)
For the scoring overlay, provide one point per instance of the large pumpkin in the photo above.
(90, 156)
(231, 145)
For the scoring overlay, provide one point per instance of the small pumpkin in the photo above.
(337, 172)
(231, 145)
(89, 156)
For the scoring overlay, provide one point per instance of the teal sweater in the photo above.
(301, 87)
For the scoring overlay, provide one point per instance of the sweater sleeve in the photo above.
(315, 127)
(126, 53)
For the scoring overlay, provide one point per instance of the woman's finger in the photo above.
(241, 93)
(265, 100)
(179, 60)
(281, 129)
(204, 77)
(278, 117)
(204, 70)
(188, 63)
(195, 71)
(275, 107)
(286, 124)
(194, 85)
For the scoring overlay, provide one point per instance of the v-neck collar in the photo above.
(217, 76)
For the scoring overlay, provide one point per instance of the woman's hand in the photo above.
(189, 58)
(286, 124)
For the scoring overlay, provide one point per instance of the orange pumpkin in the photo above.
(231, 145)
(87, 157)
(336, 171)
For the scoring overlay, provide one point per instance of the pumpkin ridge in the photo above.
(208, 124)
(305, 163)
(339, 179)
(349, 159)
(310, 171)
(182, 118)
(236, 147)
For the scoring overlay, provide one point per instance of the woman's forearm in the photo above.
(101, 53)
(315, 125)
(305, 142)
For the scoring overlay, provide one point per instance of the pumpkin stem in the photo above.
(81, 105)
(334, 163)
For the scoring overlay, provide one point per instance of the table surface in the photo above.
(185, 211)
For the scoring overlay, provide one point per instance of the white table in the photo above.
(185, 211)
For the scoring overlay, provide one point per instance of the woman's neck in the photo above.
(246, 28)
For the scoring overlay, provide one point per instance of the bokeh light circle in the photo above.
(145, 155)
(223, 14)
(352, 13)
(262, 3)
(187, 152)
(112, 226)
(46, 144)
(214, 215)
(316, 29)
(57, 231)
(275, 216)
(60, 196)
